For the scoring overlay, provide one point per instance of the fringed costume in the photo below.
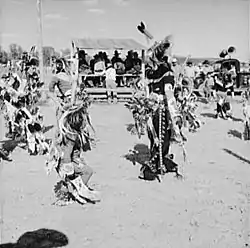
(162, 120)
(66, 157)
(223, 107)
(187, 106)
(23, 118)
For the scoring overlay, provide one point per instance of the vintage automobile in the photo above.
(242, 77)
(224, 65)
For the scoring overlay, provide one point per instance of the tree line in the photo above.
(15, 52)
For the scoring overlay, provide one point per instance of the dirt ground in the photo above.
(207, 209)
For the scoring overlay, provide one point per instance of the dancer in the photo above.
(246, 113)
(111, 83)
(66, 155)
(224, 107)
(164, 125)
(62, 80)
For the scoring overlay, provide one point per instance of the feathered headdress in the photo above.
(161, 48)
(227, 52)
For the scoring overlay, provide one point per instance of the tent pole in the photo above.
(40, 39)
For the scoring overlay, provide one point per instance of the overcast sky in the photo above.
(200, 27)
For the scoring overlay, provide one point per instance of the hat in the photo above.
(59, 61)
(116, 52)
(82, 52)
(174, 60)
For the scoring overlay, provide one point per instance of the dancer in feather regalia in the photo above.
(66, 156)
(158, 112)
(23, 118)
(186, 102)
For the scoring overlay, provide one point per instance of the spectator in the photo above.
(92, 63)
(83, 64)
(129, 61)
(116, 58)
(208, 86)
(189, 75)
(176, 68)
(111, 83)
(119, 67)
(136, 62)
(206, 67)
(99, 68)
(105, 59)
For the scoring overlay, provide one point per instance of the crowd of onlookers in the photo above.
(98, 64)
(131, 65)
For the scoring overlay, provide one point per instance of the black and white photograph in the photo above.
(124, 123)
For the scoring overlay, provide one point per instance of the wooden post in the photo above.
(74, 72)
(143, 64)
(248, 31)
(40, 39)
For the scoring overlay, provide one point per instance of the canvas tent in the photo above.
(105, 45)
(108, 44)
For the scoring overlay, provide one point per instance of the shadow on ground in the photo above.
(237, 119)
(242, 159)
(209, 115)
(234, 133)
(212, 116)
(140, 154)
(42, 238)
(10, 145)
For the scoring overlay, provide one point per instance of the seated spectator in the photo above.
(119, 66)
(99, 68)
(106, 59)
(116, 58)
(92, 63)
(83, 64)
(129, 62)
(136, 62)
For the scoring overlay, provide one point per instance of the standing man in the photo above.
(176, 68)
(189, 76)
(111, 83)
(62, 80)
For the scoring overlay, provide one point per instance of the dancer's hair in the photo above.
(76, 120)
